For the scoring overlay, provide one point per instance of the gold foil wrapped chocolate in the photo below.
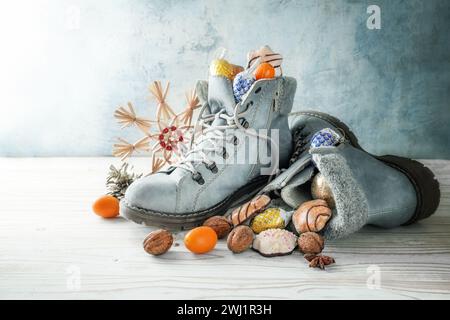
(320, 189)
(271, 218)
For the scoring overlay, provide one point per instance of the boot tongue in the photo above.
(220, 95)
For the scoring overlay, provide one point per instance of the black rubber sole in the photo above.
(186, 221)
(424, 182)
(422, 178)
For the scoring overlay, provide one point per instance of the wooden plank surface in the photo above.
(52, 246)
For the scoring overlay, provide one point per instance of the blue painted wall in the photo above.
(70, 63)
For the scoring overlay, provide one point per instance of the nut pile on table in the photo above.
(261, 227)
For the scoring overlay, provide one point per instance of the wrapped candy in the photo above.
(264, 71)
(320, 189)
(271, 218)
(249, 209)
(241, 85)
(311, 216)
(221, 67)
(325, 138)
(266, 54)
(244, 81)
(275, 242)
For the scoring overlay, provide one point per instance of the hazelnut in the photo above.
(219, 224)
(311, 216)
(310, 243)
(158, 242)
(240, 239)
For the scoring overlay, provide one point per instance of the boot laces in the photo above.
(213, 137)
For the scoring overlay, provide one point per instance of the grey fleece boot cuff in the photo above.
(351, 212)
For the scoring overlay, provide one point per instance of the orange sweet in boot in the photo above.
(264, 71)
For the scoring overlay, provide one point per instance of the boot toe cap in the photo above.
(154, 193)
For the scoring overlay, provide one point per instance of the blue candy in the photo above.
(241, 84)
(325, 137)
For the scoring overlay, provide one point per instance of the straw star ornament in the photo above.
(166, 138)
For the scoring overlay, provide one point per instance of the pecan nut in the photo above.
(158, 242)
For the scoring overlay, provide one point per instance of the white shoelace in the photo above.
(216, 135)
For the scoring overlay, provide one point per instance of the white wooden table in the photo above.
(53, 246)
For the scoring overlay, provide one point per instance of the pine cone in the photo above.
(119, 180)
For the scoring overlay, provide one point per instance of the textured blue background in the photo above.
(70, 63)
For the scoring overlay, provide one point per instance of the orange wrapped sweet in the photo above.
(264, 71)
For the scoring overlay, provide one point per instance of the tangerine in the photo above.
(200, 240)
(106, 206)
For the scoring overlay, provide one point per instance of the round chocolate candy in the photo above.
(311, 216)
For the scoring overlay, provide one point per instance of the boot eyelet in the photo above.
(235, 140)
(258, 90)
(244, 123)
(248, 105)
(197, 177)
(224, 153)
(212, 167)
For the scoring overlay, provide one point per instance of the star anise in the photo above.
(318, 261)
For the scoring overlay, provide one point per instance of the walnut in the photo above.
(311, 216)
(219, 224)
(249, 209)
(240, 239)
(310, 243)
(158, 242)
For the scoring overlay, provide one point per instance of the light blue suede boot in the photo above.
(207, 182)
(385, 191)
